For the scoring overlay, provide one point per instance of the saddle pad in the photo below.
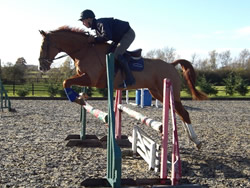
(136, 64)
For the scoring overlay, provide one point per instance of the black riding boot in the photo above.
(130, 80)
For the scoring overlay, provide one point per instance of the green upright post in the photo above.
(1, 90)
(113, 150)
(83, 120)
(6, 98)
(83, 139)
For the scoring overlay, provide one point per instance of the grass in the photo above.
(40, 90)
(221, 93)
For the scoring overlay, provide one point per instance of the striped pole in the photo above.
(97, 113)
(144, 119)
(118, 119)
(142, 98)
(127, 97)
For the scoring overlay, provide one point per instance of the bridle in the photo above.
(50, 61)
(48, 44)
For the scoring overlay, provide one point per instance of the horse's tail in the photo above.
(190, 77)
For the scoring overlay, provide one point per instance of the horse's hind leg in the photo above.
(181, 111)
(156, 94)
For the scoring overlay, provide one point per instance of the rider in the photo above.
(119, 32)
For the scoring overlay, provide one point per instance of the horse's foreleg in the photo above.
(180, 110)
(79, 80)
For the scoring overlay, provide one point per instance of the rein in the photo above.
(51, 60)
(67, 54)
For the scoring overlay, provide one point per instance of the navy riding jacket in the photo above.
(109, 29)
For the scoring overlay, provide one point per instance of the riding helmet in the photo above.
(87, 14)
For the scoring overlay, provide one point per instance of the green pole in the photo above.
(113, 151)
(1, 88)
(83, 120)
(9, 105)
(6, 102)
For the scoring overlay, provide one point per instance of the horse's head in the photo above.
(47, 53)
(73, 41)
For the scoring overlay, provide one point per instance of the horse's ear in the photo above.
(42, 33)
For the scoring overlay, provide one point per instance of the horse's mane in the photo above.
(71, 30)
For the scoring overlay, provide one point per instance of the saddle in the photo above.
(134, 58)
(135, 53)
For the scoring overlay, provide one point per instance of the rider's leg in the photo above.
(121, 48)
(130, 80)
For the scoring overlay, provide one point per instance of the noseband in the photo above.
(47, 60)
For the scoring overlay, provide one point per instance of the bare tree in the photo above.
(244, 58)
(225, 58)
(0, 68)
(67, 68)
(195, 60)
(169, 54)
(213, 59)
(150, 54)
(166, 54)
(203, 64)
(159, 54)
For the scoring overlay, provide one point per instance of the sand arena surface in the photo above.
(33, 151)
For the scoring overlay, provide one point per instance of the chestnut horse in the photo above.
(90, 63)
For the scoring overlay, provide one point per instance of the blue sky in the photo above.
(189, 26)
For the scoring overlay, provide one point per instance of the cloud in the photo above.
(209, 35)
(244, 31)
(187, 53)
(240, 33)
(219, 32)
(201, 36)
(203, 53)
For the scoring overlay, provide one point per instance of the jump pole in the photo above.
(176, 161)
(162, 127)
(83, 139)
(113, 177)
(140, 117)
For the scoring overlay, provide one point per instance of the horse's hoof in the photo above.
(84, 95)
(80, 101)
(198, 146)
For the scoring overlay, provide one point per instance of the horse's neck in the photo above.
(77, 46)
(71, 43)
(89, 59)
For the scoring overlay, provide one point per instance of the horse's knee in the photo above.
(66, 84)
